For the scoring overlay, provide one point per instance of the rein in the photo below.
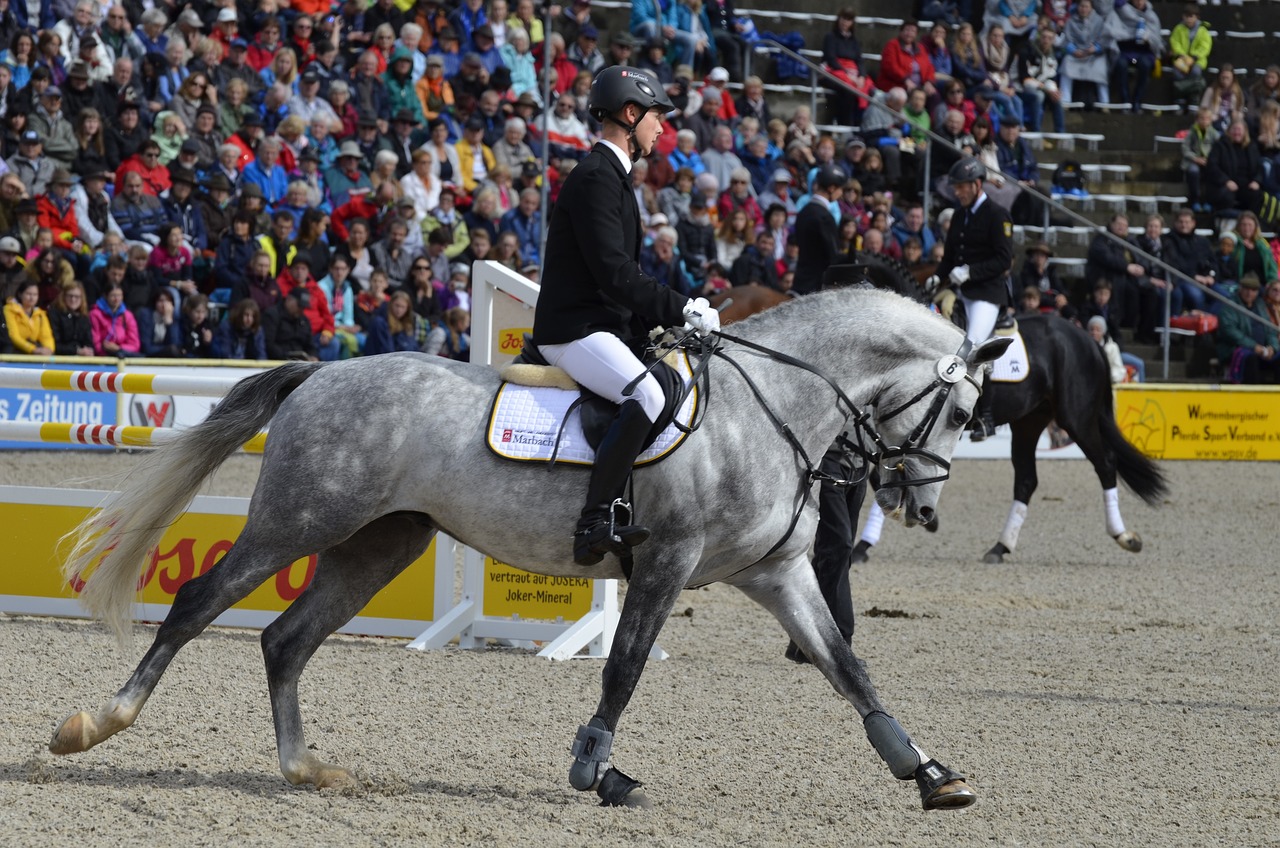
(883, 454)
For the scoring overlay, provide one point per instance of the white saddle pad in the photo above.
(1014, 366)
(526, 419)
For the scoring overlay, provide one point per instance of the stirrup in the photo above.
(590, 544)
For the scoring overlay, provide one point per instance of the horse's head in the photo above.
(917, 421)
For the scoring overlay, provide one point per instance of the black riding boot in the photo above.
(601, 529)
(984, 424)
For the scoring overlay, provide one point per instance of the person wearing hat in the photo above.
(1015, 159)
(597, 305)
(180, 208)
(94, 208)
(57, 211)
(585, 52)
(204, 137)
(485, 46)
(226, 27)
(308, 103)
(405, 139)
(976, 260)
(77, 93)
(622, 46)
(402, 96)
(1247, 348)
(349, 174)
(1036, 272)
(55, 130)
(12, 265)
(30, 164)
(236, 67)
(779, 194)
(214, 202)
(433, 89)
(475, 158)
(28, 223)
(449, 48)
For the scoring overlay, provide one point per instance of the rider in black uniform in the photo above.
(596, 306)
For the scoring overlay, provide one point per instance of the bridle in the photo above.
(951, 370)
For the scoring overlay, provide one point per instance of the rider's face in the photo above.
(648, 131)
(967, 192)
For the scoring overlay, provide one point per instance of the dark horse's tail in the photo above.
(111, 546)
(1137, 471)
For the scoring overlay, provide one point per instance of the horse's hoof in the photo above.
(860, 551)
(796, 655)
(75, 735)
(955, 795)
(618, 790)
(1130, 541)
(334, 777)
(941, 788)
(995, 556)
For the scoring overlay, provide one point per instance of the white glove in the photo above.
(699, 315)
(960, 275)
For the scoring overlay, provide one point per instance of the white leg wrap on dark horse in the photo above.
(591, 748)
(1013, 525)
(875, 524)
(1115, 524)
(893, 745)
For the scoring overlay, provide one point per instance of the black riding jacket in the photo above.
(981, 238)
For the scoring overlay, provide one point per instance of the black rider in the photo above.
(976, 261)
(817, 231)
(596, 306)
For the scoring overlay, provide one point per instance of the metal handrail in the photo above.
(1171, 273)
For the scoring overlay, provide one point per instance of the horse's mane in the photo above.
(856, 303)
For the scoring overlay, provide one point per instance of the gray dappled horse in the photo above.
(367, 459)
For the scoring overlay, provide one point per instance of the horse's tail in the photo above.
(1138, 471)
(123, 533)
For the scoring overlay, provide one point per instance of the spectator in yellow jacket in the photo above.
(28, 325)
(1189, 46)
(474, 156)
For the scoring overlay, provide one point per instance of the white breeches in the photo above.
(982, 319)
(604, 365)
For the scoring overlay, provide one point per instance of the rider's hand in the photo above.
(960, 275)
(699, 315)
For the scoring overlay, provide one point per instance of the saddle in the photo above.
(533, 415)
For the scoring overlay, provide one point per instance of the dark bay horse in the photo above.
(368, 458)
(1068, 383)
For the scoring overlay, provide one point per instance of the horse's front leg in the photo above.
(652, 592)
(791, 593)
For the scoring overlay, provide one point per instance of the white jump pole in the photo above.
(112, 435)
(114, 382)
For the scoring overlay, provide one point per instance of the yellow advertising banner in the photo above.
(193, 545)
(1200, 422)
(511, 592)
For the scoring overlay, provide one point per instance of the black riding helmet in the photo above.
(830, 176)
(967, 170)
(615, 87)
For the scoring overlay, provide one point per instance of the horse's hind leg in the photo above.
(347, 576)
(1026, 434)
(791, 593)
(254, 557)
(1087, 432)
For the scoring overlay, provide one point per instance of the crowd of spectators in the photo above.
(314, 179)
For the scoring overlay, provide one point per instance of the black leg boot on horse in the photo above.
(599, 530)
(984, 422)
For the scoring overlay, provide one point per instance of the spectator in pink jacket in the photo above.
(115, 332)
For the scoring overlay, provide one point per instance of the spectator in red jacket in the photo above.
(146, 162)
(906, 63)
(315, 305)
(738, 196)
(57, 211)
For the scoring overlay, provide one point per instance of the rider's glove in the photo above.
(699, 315)
(960, 275)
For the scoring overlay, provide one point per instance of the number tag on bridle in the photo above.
(951, 369)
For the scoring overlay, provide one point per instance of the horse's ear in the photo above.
(990, 350)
